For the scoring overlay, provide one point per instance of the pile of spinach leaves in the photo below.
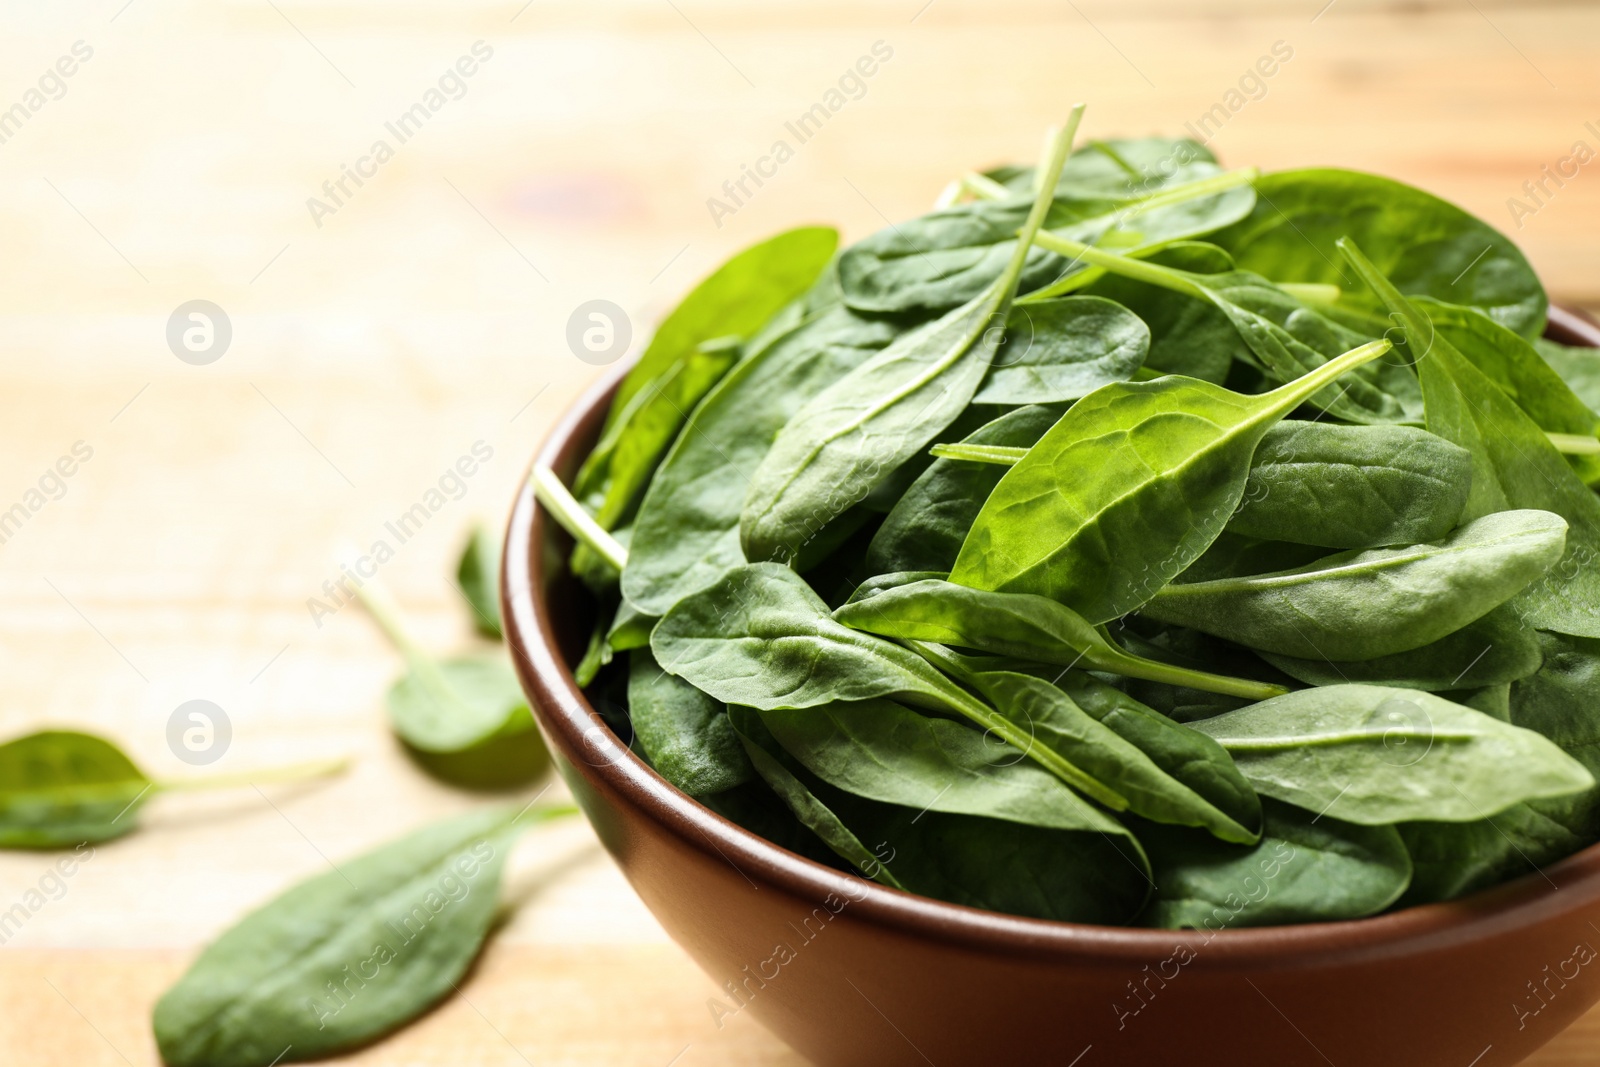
(1127, 541)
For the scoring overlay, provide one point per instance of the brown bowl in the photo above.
(850, 972)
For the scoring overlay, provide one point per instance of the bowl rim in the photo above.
(565, 712)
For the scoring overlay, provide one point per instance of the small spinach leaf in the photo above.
(478, 576)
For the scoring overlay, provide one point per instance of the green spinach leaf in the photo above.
(1427, 246)
(1374, 755)
(1127, 490)
(346, 956)
(685, 733)
(1360, 605)
(1304, 869)
(832, 452)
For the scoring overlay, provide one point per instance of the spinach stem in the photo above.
(295, 772)
(1575, 444)
(1179, 281)
(1116, 661)
(983, 186)
(1000, 455)
(1275, 744)
(376, 600)
(959, 700)
(1312, 292)
(566, 510)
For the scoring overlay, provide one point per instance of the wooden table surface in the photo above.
(379, 338)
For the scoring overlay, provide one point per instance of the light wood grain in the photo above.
(429, 313)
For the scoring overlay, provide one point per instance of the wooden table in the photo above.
(376, 339)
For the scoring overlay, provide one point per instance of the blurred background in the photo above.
(388, 311)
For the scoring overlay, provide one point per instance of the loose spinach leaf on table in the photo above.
(1127, 489)
(478, 577)
(348, 955)
(1360, 605)
(1374, 755)
(1304, 869)
(845, 440)
(60, 788)
(1352, 486)
(1427, 246)
(1513, 462)
(685, 733)
(464, 720)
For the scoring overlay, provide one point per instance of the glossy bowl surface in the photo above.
(849, 972)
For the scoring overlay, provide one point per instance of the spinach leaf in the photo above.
(948, 257)
(1579, 367)
(760, 637)
(1374, 755)
(643, 431)
(1015, 624)
(1304, 869)
(1452, 859)
(1110, 767)
(685, 734)
(346, 956)
(478, 577)
(1059, 350)
(767, 758)
(464, 720)
(997, 864)
(1187, 335)
(1127, 489)
(1559, 702)
(852, 435)
(1353, 486)
(882, 751)
(925, 529)
(687, 528)
(60, 788)
(1513, 462)
(1360, 605)
(737, 298)
(1427, 246)
(1285, 338)
(1513, 364)
(1494, 649)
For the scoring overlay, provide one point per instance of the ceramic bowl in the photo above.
(849, 972)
